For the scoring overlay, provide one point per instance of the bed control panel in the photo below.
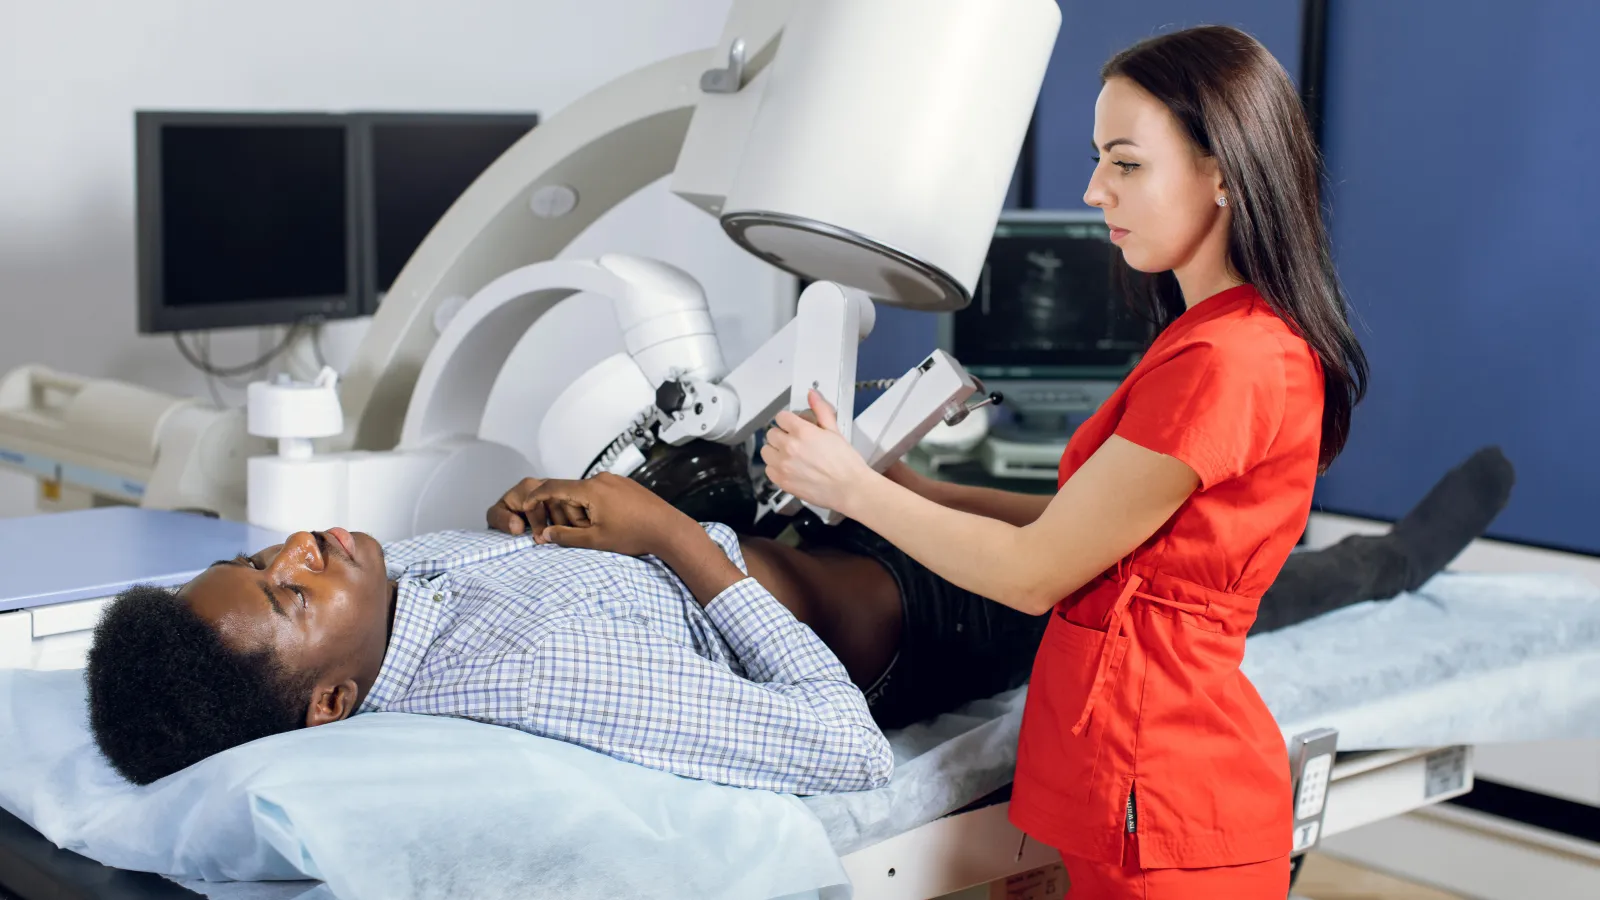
(1311, 764)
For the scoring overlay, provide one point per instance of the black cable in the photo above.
(216, 395)
(212, 381)
(316, 345)
(207, 367)
(234, 371)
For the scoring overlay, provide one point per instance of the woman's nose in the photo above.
(1096, 194)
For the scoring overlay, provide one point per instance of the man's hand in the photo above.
(606, 512)
(507, 513)
(510, 513)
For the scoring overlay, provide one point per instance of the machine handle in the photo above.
(958, 414)
(47, 385)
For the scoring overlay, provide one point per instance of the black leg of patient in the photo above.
(1455, 512)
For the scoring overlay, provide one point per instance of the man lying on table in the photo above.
(742, 661)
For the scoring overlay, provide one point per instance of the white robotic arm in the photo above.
(815, 351)
(863, 144)
(672, 385)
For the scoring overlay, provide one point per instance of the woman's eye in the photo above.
(1126, 167)
(299, 593)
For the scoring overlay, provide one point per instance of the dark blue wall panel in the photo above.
(1462, 145)
(1090, 34)
(1465, 211)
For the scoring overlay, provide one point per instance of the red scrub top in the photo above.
(1138, 718)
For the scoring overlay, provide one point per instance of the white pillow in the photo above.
(396, 806)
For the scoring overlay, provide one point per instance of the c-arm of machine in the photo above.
(670, 388)
(866, 145)
(678, 389)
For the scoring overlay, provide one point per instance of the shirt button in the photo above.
(438, 597)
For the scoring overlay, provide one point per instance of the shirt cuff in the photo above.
(749, 617)
(724, 537)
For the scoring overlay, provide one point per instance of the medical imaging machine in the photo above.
(874, 167)
(863, 145)
(871, 156)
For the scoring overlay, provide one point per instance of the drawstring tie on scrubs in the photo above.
(1113, 623)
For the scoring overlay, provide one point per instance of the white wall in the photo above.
(72, 72)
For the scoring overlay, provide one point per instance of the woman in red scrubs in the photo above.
(1146, 756)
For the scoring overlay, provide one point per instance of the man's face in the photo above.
(320, 602)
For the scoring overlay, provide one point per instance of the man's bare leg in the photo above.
(850, 601)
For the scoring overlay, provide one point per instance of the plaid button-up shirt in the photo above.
(615, 654)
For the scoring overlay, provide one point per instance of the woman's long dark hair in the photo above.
(1238, 105)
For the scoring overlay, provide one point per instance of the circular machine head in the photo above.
(707, 482)
(823, 252)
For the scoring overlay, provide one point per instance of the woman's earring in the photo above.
(1222, 201)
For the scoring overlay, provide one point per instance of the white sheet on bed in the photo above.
(1470, 658)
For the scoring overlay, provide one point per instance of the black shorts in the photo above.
(955, 646)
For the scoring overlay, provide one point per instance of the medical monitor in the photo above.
(1048, 325)
(245, 219)
(414, 166)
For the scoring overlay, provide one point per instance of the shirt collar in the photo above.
(1223, 300)
(418, 613)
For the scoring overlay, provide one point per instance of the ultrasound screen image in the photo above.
(1048, 300)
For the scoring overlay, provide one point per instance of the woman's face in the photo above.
(1158, 191)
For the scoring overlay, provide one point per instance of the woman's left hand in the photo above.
(813, 461)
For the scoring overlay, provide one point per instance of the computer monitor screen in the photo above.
(416, 165)
(244, 219)
(1048, 305)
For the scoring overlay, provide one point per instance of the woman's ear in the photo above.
(1211, 170)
